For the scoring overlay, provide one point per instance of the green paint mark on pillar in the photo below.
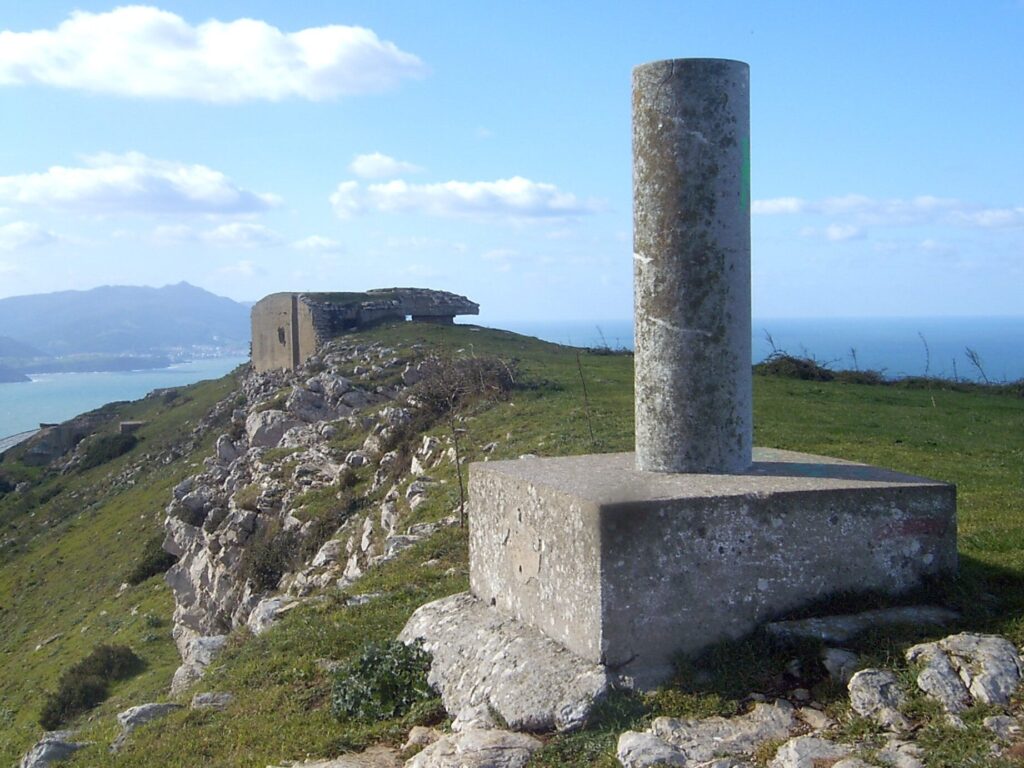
(745, 186)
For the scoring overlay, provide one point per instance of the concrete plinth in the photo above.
(629, 568)
(691, 265)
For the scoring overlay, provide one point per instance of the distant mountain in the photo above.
(124, 320)
(13, 348)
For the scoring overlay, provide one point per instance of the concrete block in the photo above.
(629, 568)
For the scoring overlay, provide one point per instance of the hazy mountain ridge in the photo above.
(120, 320)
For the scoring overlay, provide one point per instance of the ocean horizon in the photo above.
(896, 347)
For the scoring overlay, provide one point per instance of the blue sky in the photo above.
(484, 148)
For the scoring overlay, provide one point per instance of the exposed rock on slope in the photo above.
(295, 443)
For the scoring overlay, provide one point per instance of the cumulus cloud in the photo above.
(515, 197)
(133, 183)
(143, 51)
(379, 166)
(24, 234)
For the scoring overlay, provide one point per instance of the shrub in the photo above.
(152, 561)
(84, 685)
(268, 556)
(385, 681)
(792, 367)
(447, 382)
(103, 448)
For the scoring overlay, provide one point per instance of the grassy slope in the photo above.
(282, 705)
(66, 559)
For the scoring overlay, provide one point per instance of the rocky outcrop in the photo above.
(959, 670)
(477, 748)
(965, 669)
(53, 747)
(691, 742)
(280, 448)
(132, 718)
(483, 662)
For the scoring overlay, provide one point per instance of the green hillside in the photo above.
(69, 542)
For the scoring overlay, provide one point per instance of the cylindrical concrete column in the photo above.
(691, 265)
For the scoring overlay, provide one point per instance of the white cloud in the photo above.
(777, 205)
(241, 235)
(244, 268)
(838, 232)
(512, 198)
(24, 234)
(236, 234)
(860, 210)
(144, 51)
(378, 166)
(499, 254)
(318, 244)
(133, 183)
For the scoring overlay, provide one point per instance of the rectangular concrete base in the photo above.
(630, 568)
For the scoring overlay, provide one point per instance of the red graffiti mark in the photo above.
(915, 526)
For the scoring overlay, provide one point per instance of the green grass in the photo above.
(68, 545)
(280, 679)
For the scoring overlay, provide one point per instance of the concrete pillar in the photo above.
(691, 265)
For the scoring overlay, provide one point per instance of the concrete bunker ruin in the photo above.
(289, 327)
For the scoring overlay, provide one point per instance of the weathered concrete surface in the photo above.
(691, 265)
(483, 660)
(627, 568)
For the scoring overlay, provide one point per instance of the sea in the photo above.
(55, 397)
(896, 347)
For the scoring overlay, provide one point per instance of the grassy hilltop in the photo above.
(69, 543)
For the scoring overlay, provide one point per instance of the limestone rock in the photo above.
(966, 667)
(212, 700)
(840, 663)
(266, 428)
(268, 611)
(197, 655)
(481, 657)
(839, 629)
(309, 406)
(901, 754)
(1005, 727)
(643, 750)
(226, 450)
(53, 746)
(702, 740)
(328, 554)
(132, 718)
(808, 752)
(478, 749)
(421, 736)
(875, 693)
(373, 757)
